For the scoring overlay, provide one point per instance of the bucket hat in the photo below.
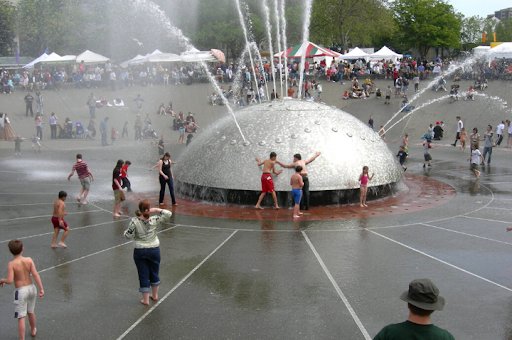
(423, 294)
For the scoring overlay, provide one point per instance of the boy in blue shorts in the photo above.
(297, 183)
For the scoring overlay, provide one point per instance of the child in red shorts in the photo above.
(267, 183)
(59, 211)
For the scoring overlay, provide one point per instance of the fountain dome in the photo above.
(220, 166)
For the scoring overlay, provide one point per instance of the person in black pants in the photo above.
(29, 99)
(298, 161)
(165, 177)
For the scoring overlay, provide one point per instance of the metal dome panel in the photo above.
(219, 157)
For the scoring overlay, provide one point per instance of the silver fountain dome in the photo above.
(220, 159)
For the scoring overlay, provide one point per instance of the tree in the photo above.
(504, 30)
(351, 22)
(7, 28)
(47, 24)
(471, 31)
(427, 23)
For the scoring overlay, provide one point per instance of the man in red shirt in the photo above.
(85, 177)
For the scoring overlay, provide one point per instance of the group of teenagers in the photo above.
(299, 181)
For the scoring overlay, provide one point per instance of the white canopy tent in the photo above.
(197, 56)
(37, 60)
(503, 50)
(386, 54)
(163, 58)
(127, 63)
(356, 53)
(89, 57)
(54, 58)
(481, 50)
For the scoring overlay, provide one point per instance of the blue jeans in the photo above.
(147, 261)
(487, 150)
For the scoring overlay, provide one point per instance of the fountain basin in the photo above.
(220, 165)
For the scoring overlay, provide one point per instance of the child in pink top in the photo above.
(364, 179)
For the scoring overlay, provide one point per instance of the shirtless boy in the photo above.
(298, 161)
(297, 183)
(21, 270)
(59, 211)
(267, 183)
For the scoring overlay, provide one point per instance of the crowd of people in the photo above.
(490, 138)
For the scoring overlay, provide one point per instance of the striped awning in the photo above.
(309, 50)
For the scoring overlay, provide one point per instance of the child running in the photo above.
(402, 156)
(476, 159)
(364, 179)
(59, 211)
(21, 270)
(297, 183)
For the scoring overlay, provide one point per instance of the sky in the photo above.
(479, 7)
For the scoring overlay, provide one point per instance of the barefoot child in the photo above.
(476, 159)
(463, 137)
(21, 270)
(59, 211)
(267, 183)
(364, 179)
(297, 183)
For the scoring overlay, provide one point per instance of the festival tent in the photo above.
(356, 53)
(163, 58)
(194, 56)
(385, 53)
(308, 50)
(503, 50)
(481, 50)
(54, 58)
(127, 63)
(139, 60)
(37, 60)
(89, 57)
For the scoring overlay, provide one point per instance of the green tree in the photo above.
(351, 22)
(504, 30)
(47, 24)
(471, 31)
(427, 23)
(7, 29)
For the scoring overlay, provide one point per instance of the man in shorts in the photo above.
(460, 125)
(59, 211)
(298, 161)
(21, 270)
(85, 177)
(267, 183)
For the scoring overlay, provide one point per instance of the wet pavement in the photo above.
(234, 272)
(237, 273)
